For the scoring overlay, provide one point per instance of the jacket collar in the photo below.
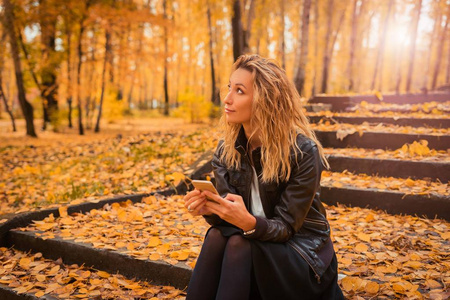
(241, 142)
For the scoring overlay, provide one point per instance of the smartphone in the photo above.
(205, 185)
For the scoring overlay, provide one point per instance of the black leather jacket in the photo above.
(294, 212)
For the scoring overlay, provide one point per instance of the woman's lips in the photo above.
(227, 110)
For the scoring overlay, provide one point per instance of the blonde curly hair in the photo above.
(277, 113)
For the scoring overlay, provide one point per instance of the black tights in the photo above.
(223, 269)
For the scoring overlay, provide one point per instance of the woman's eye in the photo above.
(240, 91)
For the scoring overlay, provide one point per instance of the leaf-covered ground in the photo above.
(362, 181)
(385, 128)
(33, 177)
(418, 111)
(416, 151)
(382, 256)
(33, 274)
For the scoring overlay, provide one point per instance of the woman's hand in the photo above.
(195, 202)
(231, 209)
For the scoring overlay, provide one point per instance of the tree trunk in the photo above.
(434, 37)
(248, 29)
(352, 45)
(69, 73)
(137, 63)
(282, 38)
(5, 101)
(80, 62)
(105, 63)
(214, 93)
(412, 52)
(442, 40)
(326, 53)
(330, 48)
(447, 76)
(379, 60)
(316, 45)
(299, 79)
(50, 63)
(90, 86)
(166, 53)
(2, 93)
(238, 32)
(26, 107)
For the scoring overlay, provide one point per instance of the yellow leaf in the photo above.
(361, 247)
(54, 270)
(153, 242)
(183, 255)
(445, 235)
(122, 215)
(372, 287)
(62, 211)
(347, 283)
(39, 294)
(364, 237)
(40, 278)
(370, 218)
(413, 264)
(103, 274)
(398, 288)
(410, 182)
(95, 281)
(433, 284)
(155, 256)
(40, 267)
(25, 263)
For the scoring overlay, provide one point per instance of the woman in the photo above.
(269, 238)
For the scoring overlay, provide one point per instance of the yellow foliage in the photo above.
(113, 109)
(193, 108)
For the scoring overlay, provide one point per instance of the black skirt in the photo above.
(279, 272)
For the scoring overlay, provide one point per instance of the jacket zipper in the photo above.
(301, 254)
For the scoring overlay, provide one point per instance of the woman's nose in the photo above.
(228, 99)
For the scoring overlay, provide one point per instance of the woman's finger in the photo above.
(193, 199)
(196, 207)
(215, 197)
(194, 202)
(191, 194)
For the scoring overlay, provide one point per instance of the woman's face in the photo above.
(238, 102)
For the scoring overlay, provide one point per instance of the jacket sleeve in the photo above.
(222, 182)
(295, 200)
